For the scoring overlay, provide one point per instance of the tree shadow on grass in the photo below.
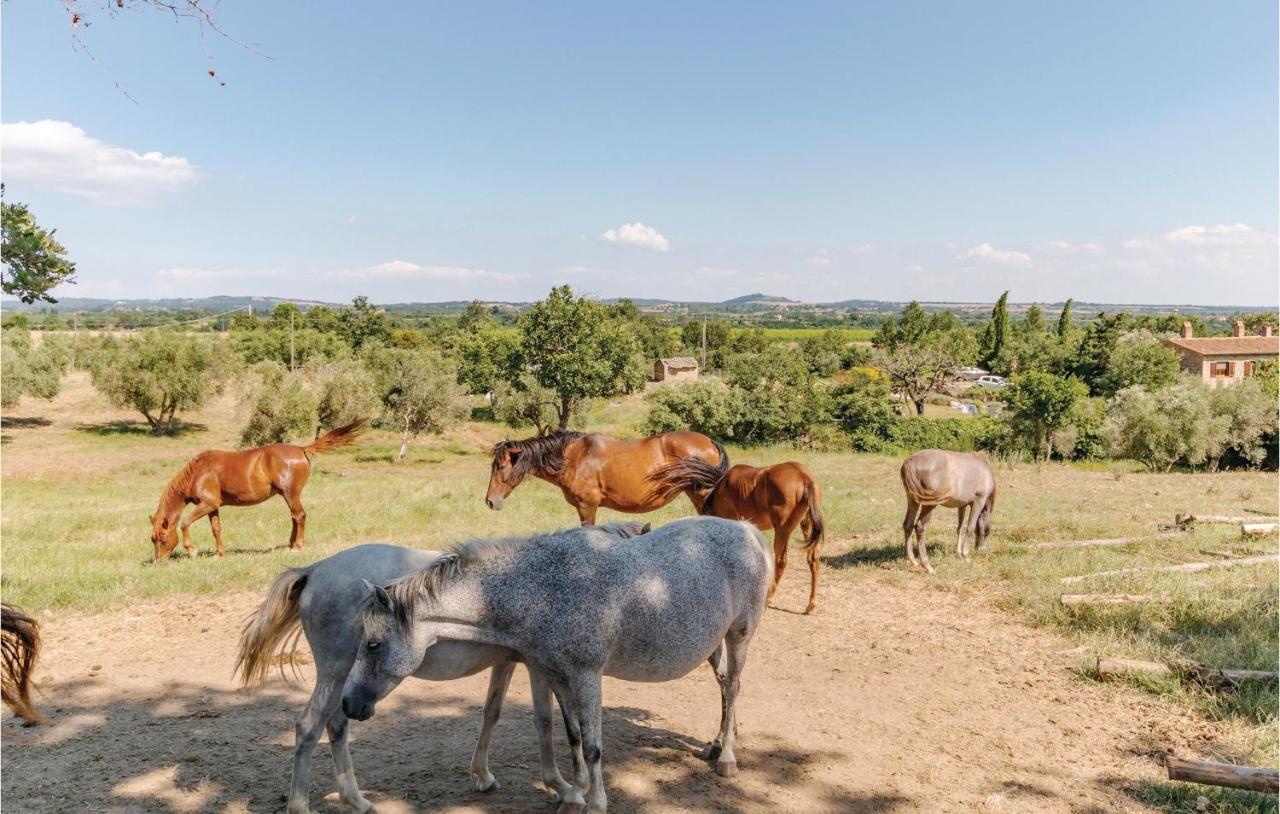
(23, 422)
(194, 748)
(139, 428)
(866, 555)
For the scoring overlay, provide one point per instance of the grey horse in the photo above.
(957, 480)
(323, 602)
(577, 605)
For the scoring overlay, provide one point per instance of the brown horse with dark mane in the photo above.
(781, 497)
(20, 647)
(594, 470)
(216, 478)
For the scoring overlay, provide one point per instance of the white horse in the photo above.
(576, 605)
(324, 601)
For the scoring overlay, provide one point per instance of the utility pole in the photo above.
(291, 367)
(704, 343)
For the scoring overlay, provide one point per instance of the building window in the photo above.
(1223, 370)
(1248, 369)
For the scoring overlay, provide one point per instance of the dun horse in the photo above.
(20, 647)
(323, 602)
(577, 605)
(215, 478)
(957, 480)
(781, 497)
(594, 470)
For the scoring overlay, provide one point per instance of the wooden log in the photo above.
(1111, 667)
(1224, 674)
(1100, 542)
(1186, 568)
(1208, 773)
(1259, 529)
(1183, 519)
(1106, 599)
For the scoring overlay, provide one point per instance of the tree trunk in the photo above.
(919, 405)
(404, 449)
(566, 408)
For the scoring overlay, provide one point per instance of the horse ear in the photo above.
(380, 594)
(645, 529)
(164, 524)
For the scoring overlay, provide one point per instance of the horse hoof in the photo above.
(489, 783)
(727, 768)
(809, 610)
(571, 808)
(711, 752)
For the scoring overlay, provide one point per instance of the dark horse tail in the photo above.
(20, 645)
(335, 438)
(816, 525)
(691, 474)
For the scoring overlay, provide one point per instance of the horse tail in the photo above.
(723, 466)
(917, 490)
(990, 506)
(816, 526)
(274, 628)
(20, 644)
(687, 474)
(335, 438)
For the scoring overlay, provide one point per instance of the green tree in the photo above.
(1040, 404)
(919, 368)
(704, 406)
(522, 402)
(1137, 358)
(474, 318)
(718, 335)
(278, 406)
(1032, 322)
(1064, 319)
(1248, 415)
(420, 393)
(159, 373)
(487, 356)
(573, 346)
(996, 332)
(1162, 428)
(34, 261)
(29, 370)
(363, 322)
(823, 352)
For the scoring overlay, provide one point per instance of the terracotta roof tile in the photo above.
(1228, 345)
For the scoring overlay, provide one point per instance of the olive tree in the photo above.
(419, 393)
(575, 347)
(345, 391)
(1041, 404)
(278, 405)
(159, 373)
(1164, 427)
(29, 370)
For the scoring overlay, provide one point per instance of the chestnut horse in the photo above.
(20, 645)
(779, 497)
(594, 470)
(215, 478)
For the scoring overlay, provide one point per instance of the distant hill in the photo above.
(748, 299)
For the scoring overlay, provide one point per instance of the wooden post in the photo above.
(1259, 529)
(1205, 772)
(1186, 568)
(1110, 667)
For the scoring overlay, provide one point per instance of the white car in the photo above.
(971, 374)
(992, 382)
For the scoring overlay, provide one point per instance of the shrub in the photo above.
(1160, 429)
(28, 370)
(420, 393)
(1138, 359)
(159, 373)
(907, 434)
(702, 406)
(278, 405)
(1248, 416)
(525, 403)
(1040, 405)
(345, 391)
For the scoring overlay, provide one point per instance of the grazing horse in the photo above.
(20, 647)
(957, 480)
(779, 497)
(576, 605)
(215, 478)
(594, 470)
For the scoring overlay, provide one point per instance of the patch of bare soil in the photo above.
(894, 697)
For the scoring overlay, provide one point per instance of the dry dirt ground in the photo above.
(896, 696)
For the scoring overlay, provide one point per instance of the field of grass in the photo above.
(80, 479)
(797, 334)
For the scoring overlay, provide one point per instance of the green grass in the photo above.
(75, 536)
(797, 334)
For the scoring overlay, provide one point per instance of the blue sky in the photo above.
(1122, 152)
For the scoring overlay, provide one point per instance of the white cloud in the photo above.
(194, 274)
(1224, 234)
(714, 272)
(819, 260)
(865, 248)
(404, 270)
(1064, 247)
(639, 235)
(985, 252)
(61, 156)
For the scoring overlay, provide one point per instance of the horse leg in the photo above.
(781, 546)
(735, 656)
(215, 523)
(344, 771)
(587, 514)
(587, 698)
(975, 512)
(299, 520)
(542, 710)
(324, 703)
(718, 663)
(201, 510)
(499, 678)
(960, 551)
(814, 565)
(921, 526)
(908, 528)
(574, 802)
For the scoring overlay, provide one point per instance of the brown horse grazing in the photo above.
(957, 480)
(215, 478)
(594, 470)
(20, 646)
(779, 497)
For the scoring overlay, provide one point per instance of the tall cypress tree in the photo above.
(1064, 319)
(999, 329)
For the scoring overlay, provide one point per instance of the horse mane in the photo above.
(180, 483)
(543, 454)
(427, 584)
(690, 474)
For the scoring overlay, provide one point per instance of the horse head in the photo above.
(164, 537)
(506, 473)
